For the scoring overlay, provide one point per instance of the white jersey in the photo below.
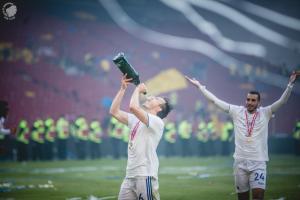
(142, 145)
(3, 131)
(255, 146)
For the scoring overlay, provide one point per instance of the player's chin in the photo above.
(250, 108)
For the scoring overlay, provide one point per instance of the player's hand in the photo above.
(293, 77)
(142, 88)
(194, 82)
(125, 81)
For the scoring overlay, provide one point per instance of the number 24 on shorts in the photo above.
(259, 176)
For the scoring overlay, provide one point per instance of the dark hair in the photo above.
(255, 93)
(3, 108)
(165, 109)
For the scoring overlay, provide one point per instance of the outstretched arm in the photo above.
(221, 104)
(115, 111)
(286, 94)
(135, 107)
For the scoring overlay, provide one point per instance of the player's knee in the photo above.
(243, 195)
(258, 194)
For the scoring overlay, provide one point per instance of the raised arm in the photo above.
(135, 107)
(219, 103)
(286, 94)
(115, 111)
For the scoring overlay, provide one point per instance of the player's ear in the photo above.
(159, 108)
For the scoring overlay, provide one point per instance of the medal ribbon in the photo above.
(250, 129)
(132, 135)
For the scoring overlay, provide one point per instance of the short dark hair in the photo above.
(165, 108)
(255, 93)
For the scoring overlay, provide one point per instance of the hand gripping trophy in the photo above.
(126, 68)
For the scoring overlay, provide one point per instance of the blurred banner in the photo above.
(166, 81)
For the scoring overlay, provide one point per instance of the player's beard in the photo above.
(251, 109)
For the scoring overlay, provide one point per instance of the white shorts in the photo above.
(249, 174)
(139, 188)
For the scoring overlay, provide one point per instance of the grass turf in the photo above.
(179, 179)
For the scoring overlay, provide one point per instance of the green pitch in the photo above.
(179, 178)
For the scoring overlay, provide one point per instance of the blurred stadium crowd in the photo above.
(59, 81)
